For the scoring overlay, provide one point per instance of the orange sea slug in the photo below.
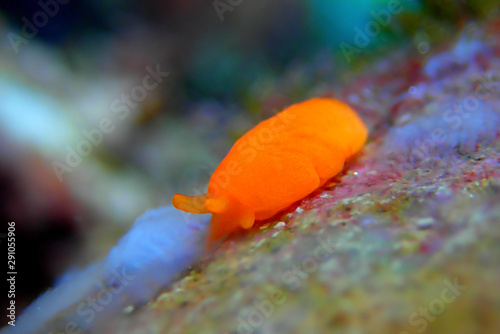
(277, 163)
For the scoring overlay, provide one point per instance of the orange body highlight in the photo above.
(278, 162)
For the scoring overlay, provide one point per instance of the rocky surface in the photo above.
(405, 240)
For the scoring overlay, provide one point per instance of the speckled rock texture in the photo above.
(405, 240)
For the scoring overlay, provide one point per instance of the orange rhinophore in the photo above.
(277, 163)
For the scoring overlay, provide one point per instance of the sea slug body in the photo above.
(277, 163)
